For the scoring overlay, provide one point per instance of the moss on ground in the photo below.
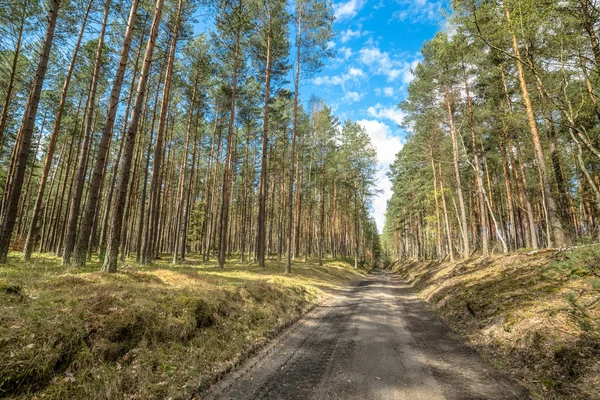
(147, 332)
(535, 315)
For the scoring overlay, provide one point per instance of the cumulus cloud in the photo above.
(349, 34)
(392, 113)
(380, 201)
(328, 80)
(383, 64)
(352, 97)
(348, 9)
(385, 142)
(387, 145)
(416, 11)
(356, 72)
(345, 52)
(388, 91)
(352, 74)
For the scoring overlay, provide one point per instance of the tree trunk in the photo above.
(228, 158)
(52, 145)
(26, 130)
(455, 157)
(156, 167)
(262, 187)
(290, 205)
(480, 190)
(110, 262)
(12, 75)
(98, 175)
(588, 24)
(180, 186)
(556, 226)
(81, 169)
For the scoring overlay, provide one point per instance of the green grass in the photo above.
(148, 331)
(535, 315)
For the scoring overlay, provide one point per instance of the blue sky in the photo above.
(377, 44)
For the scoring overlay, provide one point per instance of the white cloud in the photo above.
(352, 97)
(380, 201)
(352, 74)
(391, 113)
(419, 11)
(388, 91)
(385, 142)
(349, 34)
(356, 72)
(407, 73)
(387, 145)
(348, 9)
(383, 64)
(328, 80)
(346, 53)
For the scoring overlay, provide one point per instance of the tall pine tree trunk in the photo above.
(154, 183)
(262, 186)
(9, 215)
(556, 225)
(110, 262)
(290, 205)
(228, 158)
(12, 75)
(52, 144)
(82, 167)
(455, 158)
(107, 129)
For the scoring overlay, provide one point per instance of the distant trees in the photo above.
(509, 100)
(203, 150)
(312, 24)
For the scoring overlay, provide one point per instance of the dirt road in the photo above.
(375, 341)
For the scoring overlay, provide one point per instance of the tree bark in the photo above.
(556, 225)
(26, 130)
(110, 262)
(262, 187)
(107, 130)
(455, 157)
(228, 158)
(12, 75)
(82, 167)
(154, 183)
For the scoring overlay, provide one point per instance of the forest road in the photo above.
(374, 341)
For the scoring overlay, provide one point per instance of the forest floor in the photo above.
(535, 316)
(159, 331)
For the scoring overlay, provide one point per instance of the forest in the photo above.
(503, 121)
(127, 131)
(187, 212)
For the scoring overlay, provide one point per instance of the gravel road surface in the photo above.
(374, 341)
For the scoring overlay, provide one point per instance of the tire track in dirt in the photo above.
(375, 341)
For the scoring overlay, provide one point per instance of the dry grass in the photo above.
(146, 332)
(536, 316)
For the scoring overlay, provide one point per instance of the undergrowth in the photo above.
(534, 315)
(152, 332)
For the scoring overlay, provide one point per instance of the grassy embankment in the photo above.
(535, 316)
(162, 331)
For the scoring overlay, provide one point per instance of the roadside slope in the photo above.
(146, 332)
(536, 315)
